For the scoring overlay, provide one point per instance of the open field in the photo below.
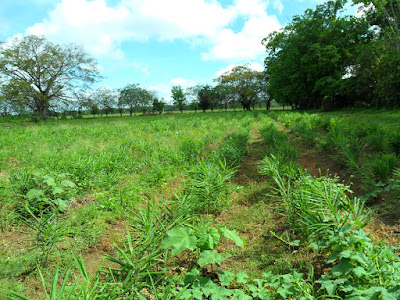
(241, 205)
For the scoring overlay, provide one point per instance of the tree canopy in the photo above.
(325, 58)
(178, 96)
(37, 73)
(133, 96)
(246, 85)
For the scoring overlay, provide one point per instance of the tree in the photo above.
(158, 105)
(205, 97)
(179, 97)
(133, 96)
(105, 99)
(191, 97)
(38, 74)
(244, 83)
(385, 14)
(375, 78)
(309, 58)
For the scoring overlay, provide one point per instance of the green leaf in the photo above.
(242, 277)
(212, 257)
(258, 292)
(343, 267)
(68, 183)
(209, 239)
(232, 235)
(194, 293)
(359, 271)
(57, 190)
(191, 276)
(226, 277)
(180, 239)
(240, 295)
(219, 293)
(34, 193)
(49, 180)
(330, 285)
(61, 204)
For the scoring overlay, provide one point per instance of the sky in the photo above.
(155, 43)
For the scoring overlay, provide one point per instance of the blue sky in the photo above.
(156, 43)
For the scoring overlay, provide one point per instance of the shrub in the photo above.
(209, 186)
(382, 165)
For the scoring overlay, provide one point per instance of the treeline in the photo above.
(326, 59)
(46, 79)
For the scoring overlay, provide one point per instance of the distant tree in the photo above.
(191, 97)
(105, 99)
(132, 96)
(205, 97)
(38, 74)
(244, 83)
(179, 97)
(158, 105)
(120, 107)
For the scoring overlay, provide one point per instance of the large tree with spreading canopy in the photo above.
(38, 74)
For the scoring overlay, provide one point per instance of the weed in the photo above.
(209, 186)
(382, 166)
(47, 231)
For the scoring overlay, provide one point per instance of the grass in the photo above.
(117, 187)
(115, 163)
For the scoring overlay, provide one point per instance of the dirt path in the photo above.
(255, 213)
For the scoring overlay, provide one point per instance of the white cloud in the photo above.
(162, 90)
(253, 65)
(245, 44)
(102, 28)
(143, 68)
(183, 82)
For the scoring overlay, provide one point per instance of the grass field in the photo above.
(204, 206)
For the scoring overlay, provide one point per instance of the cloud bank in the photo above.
(102, 28)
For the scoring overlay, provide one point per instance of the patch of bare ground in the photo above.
(255, 214)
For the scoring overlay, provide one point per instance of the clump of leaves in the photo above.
(49, 194)
(382, 165)
(182, 238)
(209, 187)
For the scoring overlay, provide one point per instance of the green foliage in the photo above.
(244, 84)
(39, 74)
(180, 238)
(178, 96)
(47, 231)
(358, 147)
(202, 238)
(209, 187)
(382, 166)
(331, 222)
(45, 194)
(233, 147)
(308, 58)
(132, 96)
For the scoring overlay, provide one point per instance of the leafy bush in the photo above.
(46, 194)
(382, 165)
(394, 143)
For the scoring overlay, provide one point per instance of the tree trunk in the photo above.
(268, 104)
(43, 113)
